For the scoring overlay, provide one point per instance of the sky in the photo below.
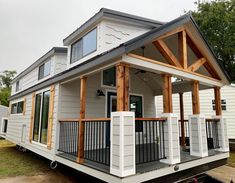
(30, 28)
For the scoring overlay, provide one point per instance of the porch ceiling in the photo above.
(155, 82)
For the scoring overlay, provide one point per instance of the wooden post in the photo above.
(80, 158)
(182, 48)
(195, 98)
(167, 94)
(218, 109)
(126, 92)
(122, 75)
(183, 144)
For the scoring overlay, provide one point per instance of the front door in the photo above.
(135, 106)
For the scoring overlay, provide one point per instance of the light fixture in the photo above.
(100, 93)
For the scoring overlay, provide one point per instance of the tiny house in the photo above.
(92, 107)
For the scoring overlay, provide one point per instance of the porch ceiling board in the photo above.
(159, 67)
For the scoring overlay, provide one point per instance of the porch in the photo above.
(118, 130)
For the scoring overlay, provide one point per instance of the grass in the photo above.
(231, 160)
(15, 163)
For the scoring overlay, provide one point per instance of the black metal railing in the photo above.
(149, 143)
(186, 132)
(212, 133)
(97, 140)
(68, 138)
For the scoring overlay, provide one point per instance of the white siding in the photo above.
(95, 106)
(58, 64)
(206, 97)
(114, 33)
(110, 34)
(16, 121)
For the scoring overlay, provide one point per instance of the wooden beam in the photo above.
(198, 53)
(195, 98)
(166, 52)
(167, 94)
(80, 158)
(126, 88)
(182, 49)
(195, 66)
(24, 108)
(172, 32)
(131, 55)
(218, 108)
(120, 75)
(183, 144)
(32, 119)
(50, 117)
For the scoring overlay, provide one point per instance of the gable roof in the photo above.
(50, 53)
(107, 13)
(126, 47)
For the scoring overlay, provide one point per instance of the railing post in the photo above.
(171, 139)
(222, 134)
(198, 137)
(80, 157)
(122, 147)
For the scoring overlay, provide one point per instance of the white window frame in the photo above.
(2, 126)
(19, 88)
(47, 76)
(17, 101)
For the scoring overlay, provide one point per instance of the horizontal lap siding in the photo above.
(15, 128)
(206, 97)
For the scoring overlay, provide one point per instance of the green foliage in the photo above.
(5, 86)
(216, 20)
(6, 78)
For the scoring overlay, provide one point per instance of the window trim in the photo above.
(81, 39)
(43, 64)
(17, 89)
(102, 77)
(41, 105)
(16, 102)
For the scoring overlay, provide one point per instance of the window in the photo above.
(18, 85)
(84, 46)
(17, 108)
(41, 117)
(109, 77)
(136, 106)
(44, 70)
(223, 104)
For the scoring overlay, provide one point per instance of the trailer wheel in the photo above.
(53, 165)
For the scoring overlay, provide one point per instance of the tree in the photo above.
(216, 20)
(5, 89)
(6, 78)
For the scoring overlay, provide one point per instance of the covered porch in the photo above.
(118, 130)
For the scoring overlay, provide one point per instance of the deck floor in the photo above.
(140, 168)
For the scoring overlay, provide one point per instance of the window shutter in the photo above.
(50, 117)
(32, 119)
(24, 109)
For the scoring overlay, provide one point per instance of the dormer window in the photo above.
(84, 46)
(18, 85)
(44, 70)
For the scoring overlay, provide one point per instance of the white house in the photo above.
(92, 107)
(3, 119)
(207, 103)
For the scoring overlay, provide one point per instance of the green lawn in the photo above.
(231, 161)
(15, 163)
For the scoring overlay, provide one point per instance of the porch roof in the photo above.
(107, 57)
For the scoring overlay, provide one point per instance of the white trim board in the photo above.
(157, 68)
(137, 178)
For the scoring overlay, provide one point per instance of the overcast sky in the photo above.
(30, 28)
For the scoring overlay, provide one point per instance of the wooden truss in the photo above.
(184, 40)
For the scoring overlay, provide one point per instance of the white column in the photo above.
(198, 138)
(171, 139)
(222, 134)
(122, 152)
